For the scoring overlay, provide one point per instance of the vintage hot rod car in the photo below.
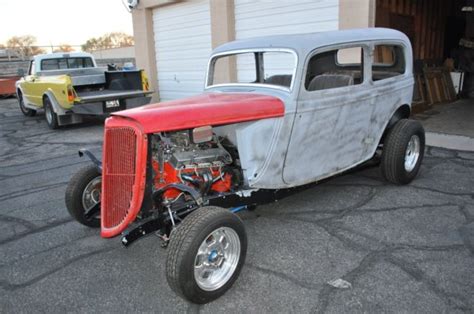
(69, 86)
(277, 113)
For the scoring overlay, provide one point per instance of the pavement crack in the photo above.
(283, 276)
(25, 223)
(36, 230)
(12, 287)
(453, 300)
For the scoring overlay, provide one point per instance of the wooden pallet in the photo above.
(438, 84)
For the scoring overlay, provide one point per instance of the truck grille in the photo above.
(123, 177)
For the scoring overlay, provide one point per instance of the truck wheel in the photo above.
(26, 111)
(51, 116)
(206, 253)
(403, 151)
(83, 195)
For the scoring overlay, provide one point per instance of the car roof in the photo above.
(304, 43)
(57, 55)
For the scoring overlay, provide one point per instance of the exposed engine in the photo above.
(203, 164)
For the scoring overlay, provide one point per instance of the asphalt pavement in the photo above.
(396, 248)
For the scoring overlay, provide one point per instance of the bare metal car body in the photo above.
(300, 108)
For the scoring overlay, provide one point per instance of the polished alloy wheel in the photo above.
(412, 153)
(217, 259)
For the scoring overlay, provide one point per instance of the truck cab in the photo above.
(69, 86)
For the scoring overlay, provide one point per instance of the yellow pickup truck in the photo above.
(69, 86)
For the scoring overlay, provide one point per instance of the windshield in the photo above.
(275, 68)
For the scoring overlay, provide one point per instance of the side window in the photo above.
(278, 68)
(49, 64)
(335, 68)
(387, 61)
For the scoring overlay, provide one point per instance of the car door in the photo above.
(330, 131)
(29, 87)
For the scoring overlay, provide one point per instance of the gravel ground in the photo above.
(402, 249)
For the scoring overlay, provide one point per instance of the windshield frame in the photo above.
(214, 57)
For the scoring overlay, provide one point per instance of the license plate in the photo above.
(112, 103)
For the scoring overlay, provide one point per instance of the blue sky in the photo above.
(62, 21)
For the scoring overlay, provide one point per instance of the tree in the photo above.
(107, 41)
(24, 46)
(64, 48)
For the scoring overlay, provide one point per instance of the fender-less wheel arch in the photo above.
(403, 112)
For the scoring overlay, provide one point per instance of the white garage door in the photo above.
(183, 45)
(262, 18)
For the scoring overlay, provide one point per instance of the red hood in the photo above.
(205, 109)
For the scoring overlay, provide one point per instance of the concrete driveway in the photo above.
(402, 249)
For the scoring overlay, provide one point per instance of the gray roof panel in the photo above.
(304, 43)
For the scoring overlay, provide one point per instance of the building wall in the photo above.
(114, 53)
(234, 19)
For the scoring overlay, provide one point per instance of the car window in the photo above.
(387, 61)
(256, 67)
(66, 63)
(49, 64)
(335, 69)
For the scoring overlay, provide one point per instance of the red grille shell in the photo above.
(123, 174)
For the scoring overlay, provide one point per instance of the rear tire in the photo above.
(77, 198)
(51, 116)
(403, 151)
(206, 254)
(26, 111)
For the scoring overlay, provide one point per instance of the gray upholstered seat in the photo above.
(326, 81)
(282, 80)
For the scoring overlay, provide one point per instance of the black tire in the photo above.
(74, 195)
(395, 147)
(51, 116)
(183, 247)
(26, 111)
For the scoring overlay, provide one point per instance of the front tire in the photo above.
(82, 193)
(51, 116)
(403, 151)
(26, 111)
(206, 254)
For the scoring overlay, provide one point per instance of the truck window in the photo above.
(335, 68)
(387, 61)
(66, 63)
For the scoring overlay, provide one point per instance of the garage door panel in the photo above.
(280, 7)
(314, 27)
(183, 45)
(263, 18)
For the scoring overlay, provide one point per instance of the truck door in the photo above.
(334, 106)
(29, 89)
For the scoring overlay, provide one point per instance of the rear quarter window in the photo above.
(387, 61)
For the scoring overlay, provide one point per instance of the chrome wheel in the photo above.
(91, 194)
(48, 114)
(22, 105)
(217, 259)
(412, 153)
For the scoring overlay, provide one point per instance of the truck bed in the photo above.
(102, 95)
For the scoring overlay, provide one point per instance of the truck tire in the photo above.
(206, 254)
(83, 192)
(51, 116)
(403, 151)
(26, 111)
